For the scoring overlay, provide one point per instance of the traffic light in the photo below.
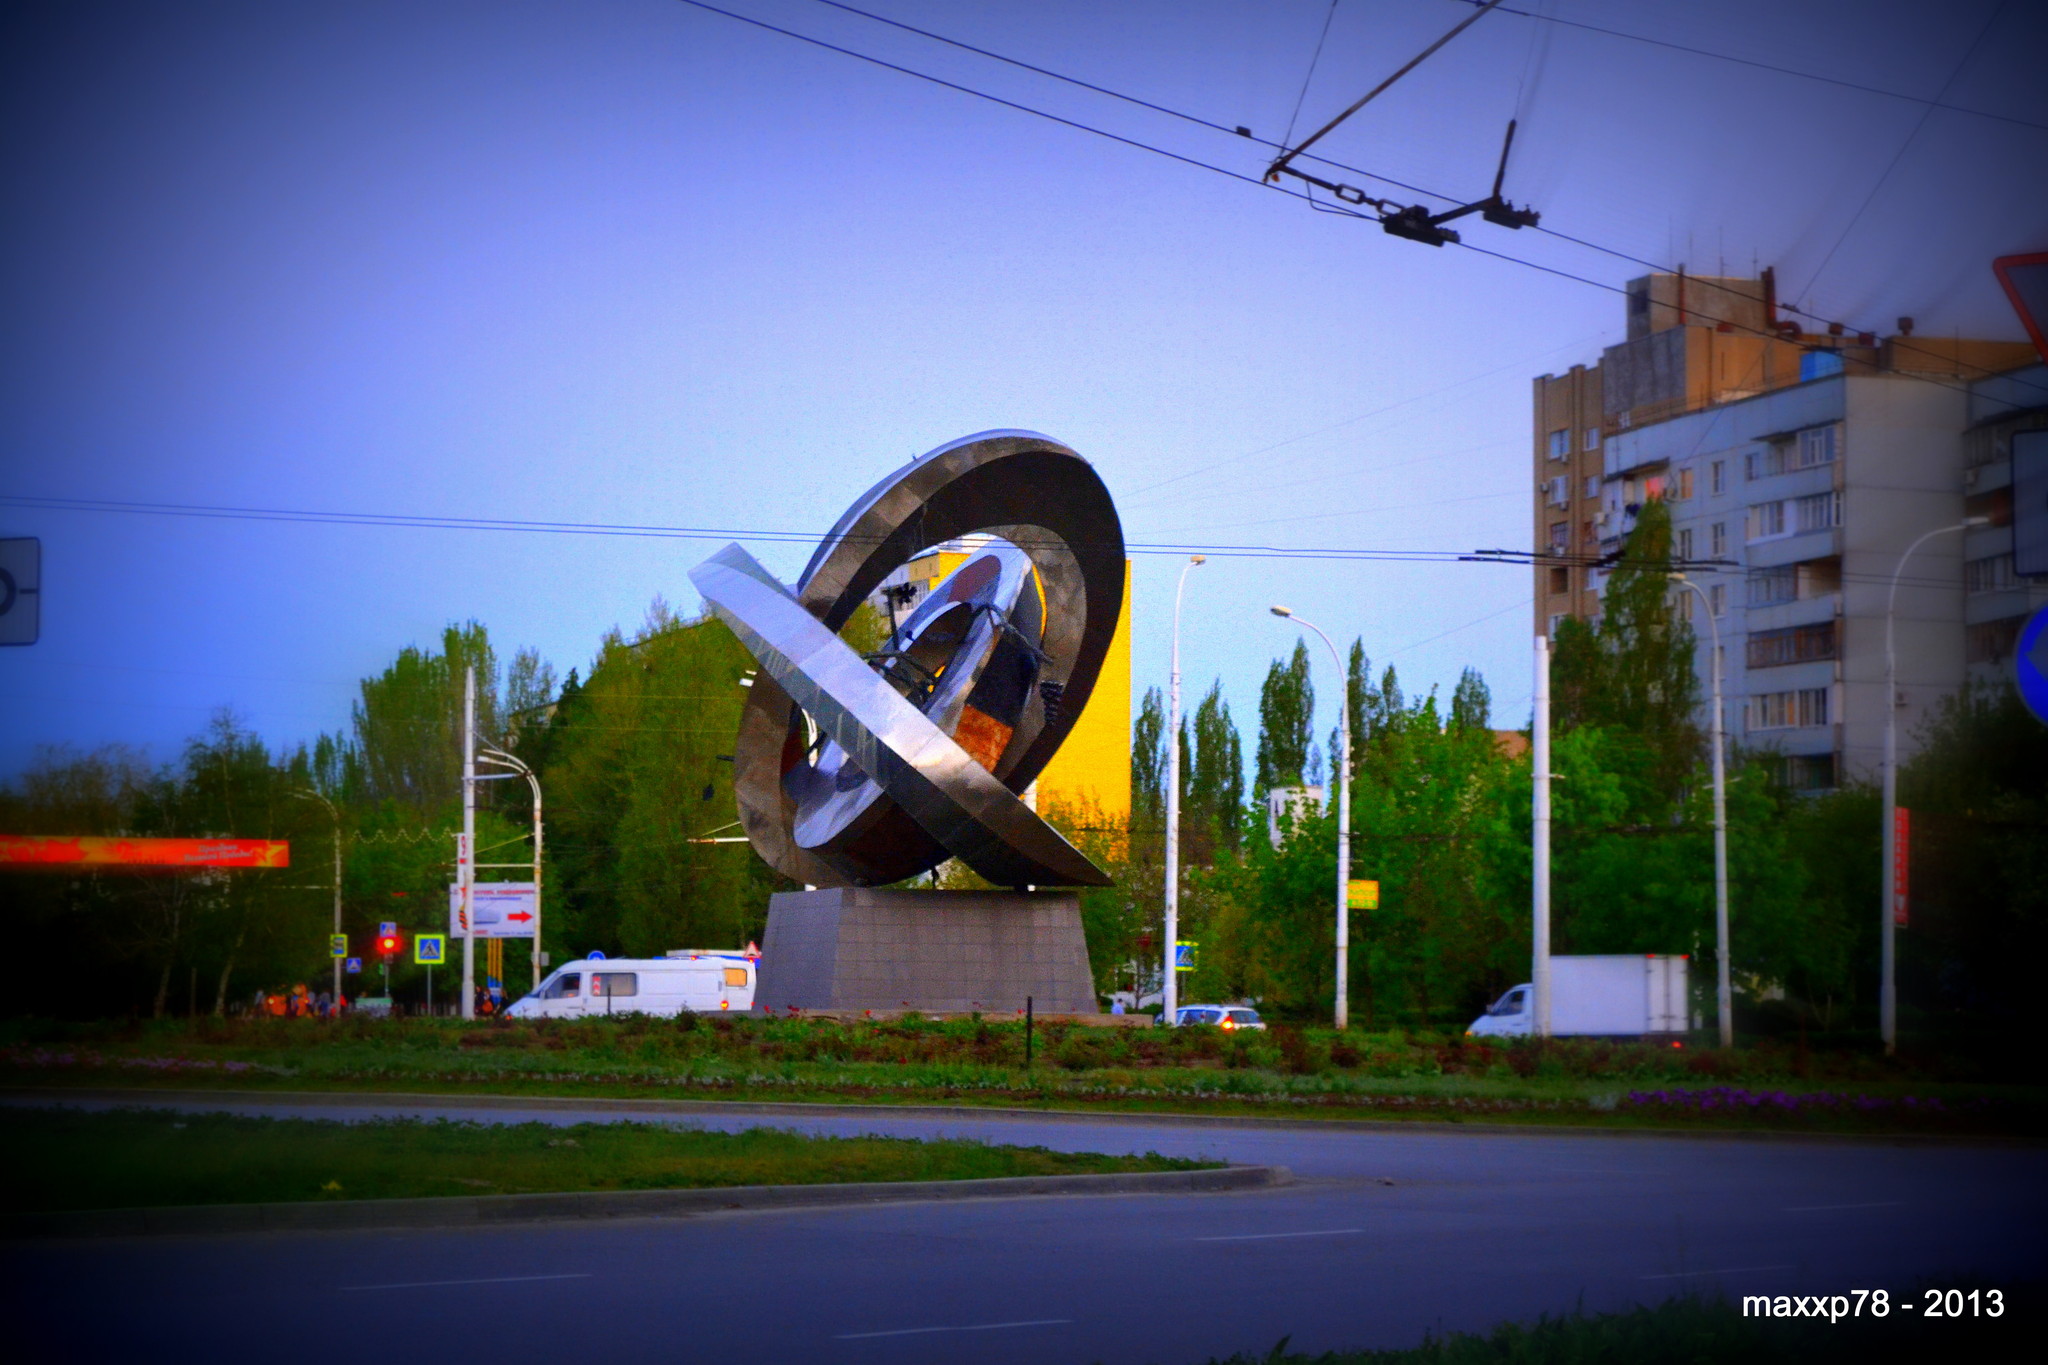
(389, 943)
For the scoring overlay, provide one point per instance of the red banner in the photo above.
(1901, 826)
(45, 851)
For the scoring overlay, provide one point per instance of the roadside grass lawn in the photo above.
(1293, 1072)
(1697, 1330)
(64, 1159)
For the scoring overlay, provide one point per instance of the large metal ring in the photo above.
(853, 771)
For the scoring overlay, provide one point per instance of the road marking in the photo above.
(442, 1284)
(1730, 1270)
(1273, 1236)
(1830, 1208)
(972, 1327)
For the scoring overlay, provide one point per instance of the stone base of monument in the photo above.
(943, 952)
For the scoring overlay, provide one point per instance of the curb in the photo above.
(489, 1210)
(372, 1099)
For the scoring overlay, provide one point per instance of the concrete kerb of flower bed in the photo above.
(485, 1210)
(228, 1100)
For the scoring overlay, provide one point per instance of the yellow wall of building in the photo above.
(1093, 768)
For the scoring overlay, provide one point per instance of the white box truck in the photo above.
(705, 982)
(1624, 995)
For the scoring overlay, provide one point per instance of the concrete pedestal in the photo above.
(852, 948)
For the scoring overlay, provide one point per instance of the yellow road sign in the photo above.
(1362, 895)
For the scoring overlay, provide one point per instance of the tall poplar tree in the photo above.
(1287, 708)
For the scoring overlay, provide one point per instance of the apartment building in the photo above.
(1801, 464)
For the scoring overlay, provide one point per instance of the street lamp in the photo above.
(1888, 989)
(499, 758)
(1343, 1012)
(1724, 994)
(1169, 995)
(335, 815)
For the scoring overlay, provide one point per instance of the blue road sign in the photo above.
(1184, 955)
(2030, 664)
(596, 955)
(430, 950)
(352, 965)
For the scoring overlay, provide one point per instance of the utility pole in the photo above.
(334, 815)
(1342, 1014)
(1539, 859)
(465, 859)
(1888, 910)
(1169, 996)
(1724, 989)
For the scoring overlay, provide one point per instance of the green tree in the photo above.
(1287, 707)
(1215, 778)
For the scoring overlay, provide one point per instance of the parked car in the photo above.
(1220, 1016)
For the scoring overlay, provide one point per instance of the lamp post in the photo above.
(1888, 989)
(1343, 1011)
(499, 758)
(334, 815)
(1169, 994)
(1724, 993)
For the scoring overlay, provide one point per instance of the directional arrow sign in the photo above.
(497, 910)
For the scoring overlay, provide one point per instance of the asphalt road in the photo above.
(1472, 1230)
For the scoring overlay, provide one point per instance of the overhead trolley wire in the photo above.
(1898, 343)
(1934, 103)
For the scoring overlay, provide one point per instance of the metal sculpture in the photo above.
(862, 771)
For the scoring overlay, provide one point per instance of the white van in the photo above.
(1619, 995)
(706, 982)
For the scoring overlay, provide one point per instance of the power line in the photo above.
(407, 521)
(1897, 343)
(1934, 103)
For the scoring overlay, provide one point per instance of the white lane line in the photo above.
(1830, 1208)
(1274, 1236)
(442, 1284)
(1730, 1270)
(972, 1327)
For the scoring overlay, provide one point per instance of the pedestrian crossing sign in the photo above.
(430, 950)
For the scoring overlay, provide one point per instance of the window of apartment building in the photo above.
(1560, 537)
(1813, 446)
(1717, 539)
(1717, 476)
(1682, 602)
(1592, 485)
(1685, 482)
(1685, 543)
(1592, 438)
(1806, 772)
(1557, 491)
(1717, 600)
(1766, 521)
(1768, 587)
(1560, 443)
(1989, 575)
(1992, 642)
(1762, 464)
(1556, 620)
(1818, 512)
(1792, 645)
(1797, 710)
(1560, 579)
(1653, 487)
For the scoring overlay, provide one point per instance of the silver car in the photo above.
(1230, 1017)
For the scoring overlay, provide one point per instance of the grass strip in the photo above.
(1697, 1330)
(138, 1158)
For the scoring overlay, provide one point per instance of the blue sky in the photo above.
(630, 261)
